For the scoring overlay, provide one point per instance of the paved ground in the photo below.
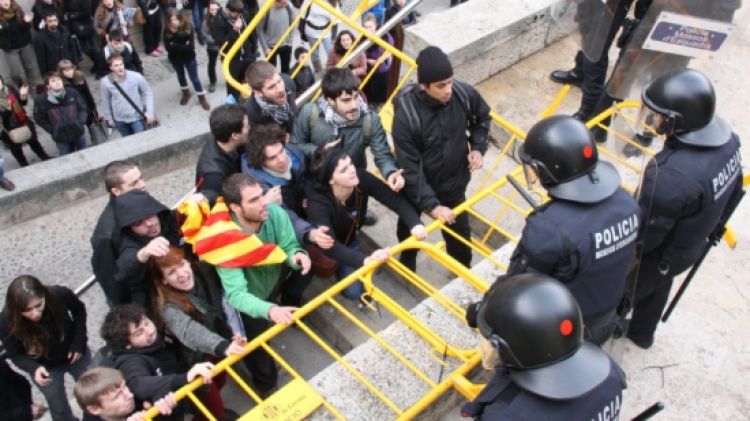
(699, 365)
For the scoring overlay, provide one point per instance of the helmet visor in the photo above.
(650, 123)
(533, 183)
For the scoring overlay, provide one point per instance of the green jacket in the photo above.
(249, 288)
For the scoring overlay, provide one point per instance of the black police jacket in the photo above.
(685, 191)
(502, 399)
(432, 146)
(588, 247)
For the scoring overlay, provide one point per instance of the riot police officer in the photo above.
(585, 235)
(687, 187)
(532, 333)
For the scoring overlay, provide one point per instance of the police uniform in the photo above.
(588, 247)
(503, 399)
(686, 191)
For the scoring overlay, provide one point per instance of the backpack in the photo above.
(366, 122)
(406, 102)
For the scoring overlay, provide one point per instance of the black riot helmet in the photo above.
(562, 153)
(535, 324)
(686, 101)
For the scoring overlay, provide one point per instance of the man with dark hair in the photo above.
(430, 127)
(120, 177)
(116, 44)
(54, 43)
(305, 77)
(126, 99)
(220, 158)
(341, 113)
(102, 394)
(253, 289)
(228, 27)
(273, 96)
(150, 370)
(62, 113)
(280, 169)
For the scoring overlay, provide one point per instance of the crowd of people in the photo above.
(281, 194)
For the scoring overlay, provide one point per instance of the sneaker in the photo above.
(161, 49)
(212, 87)
(7, 184)
(155, 53)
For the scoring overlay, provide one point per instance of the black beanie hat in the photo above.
(433, 65)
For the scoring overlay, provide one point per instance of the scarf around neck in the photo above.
(336, 120)
(279, 113)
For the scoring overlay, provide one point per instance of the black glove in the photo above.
(471, 314)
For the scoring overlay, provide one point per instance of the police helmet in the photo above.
(535, 324)
(562, 152)
(687, 101)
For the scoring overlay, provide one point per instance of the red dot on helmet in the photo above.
(566, 327)
(588, 151)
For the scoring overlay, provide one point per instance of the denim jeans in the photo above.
(66, 148)
(55, 395)
(212, 56)
(356, 289)
(2, 171)
(192, 70)
(327, 45)
(133, 127)
(197, 12)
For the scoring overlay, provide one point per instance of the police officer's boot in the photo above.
(567, 77)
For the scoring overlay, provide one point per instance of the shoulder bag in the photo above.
(132, 104)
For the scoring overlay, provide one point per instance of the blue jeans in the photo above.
(66, 148)
(356, 289)
(192, 70)
(327, 45)
(126, 129)
(2, 171)
(55, 395)
(197, 11)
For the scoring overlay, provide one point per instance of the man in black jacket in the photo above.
(62, 113)
(221, 158)
(15, 396)
(147, 229)
(119, 178)
(430, 128)
(273, 98)
(54, 43)
(78, 18)
(227, 28)
(150, 370)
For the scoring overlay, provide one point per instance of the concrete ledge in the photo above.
(483, 37)
(47, 186)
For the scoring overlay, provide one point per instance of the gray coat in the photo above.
(354, 142)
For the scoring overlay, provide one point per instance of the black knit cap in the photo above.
(433, 65)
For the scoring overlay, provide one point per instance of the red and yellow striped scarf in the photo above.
(218, 240)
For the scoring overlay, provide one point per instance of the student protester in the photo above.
(273, 26)
(305, 77)
(212, 46)
(187, 305)
(220, 158)
(62, 113)
(116, 44)
(151, 371)
(102, 394)
(147, 228)
(78, 17)
(15, 42)
(127, 99)
(14, 116)
(120, 177)
(273, 98)
(341, 113)
(336, 201)
(41, 9)
(317, 20)
(179, 40)
(345, 42)
(75, 79)
(15, 396)
(54, 43)
(44, 333)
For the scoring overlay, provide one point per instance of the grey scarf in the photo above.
(279, 113)
(337, 121)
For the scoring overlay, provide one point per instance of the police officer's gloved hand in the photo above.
(471, 314)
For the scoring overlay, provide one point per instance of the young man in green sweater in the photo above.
(253, 290)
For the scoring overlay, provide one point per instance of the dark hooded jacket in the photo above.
(213, 167)
(130, 208)
(15, 394)
(105, 243)
(151, 373)
(51, 47)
